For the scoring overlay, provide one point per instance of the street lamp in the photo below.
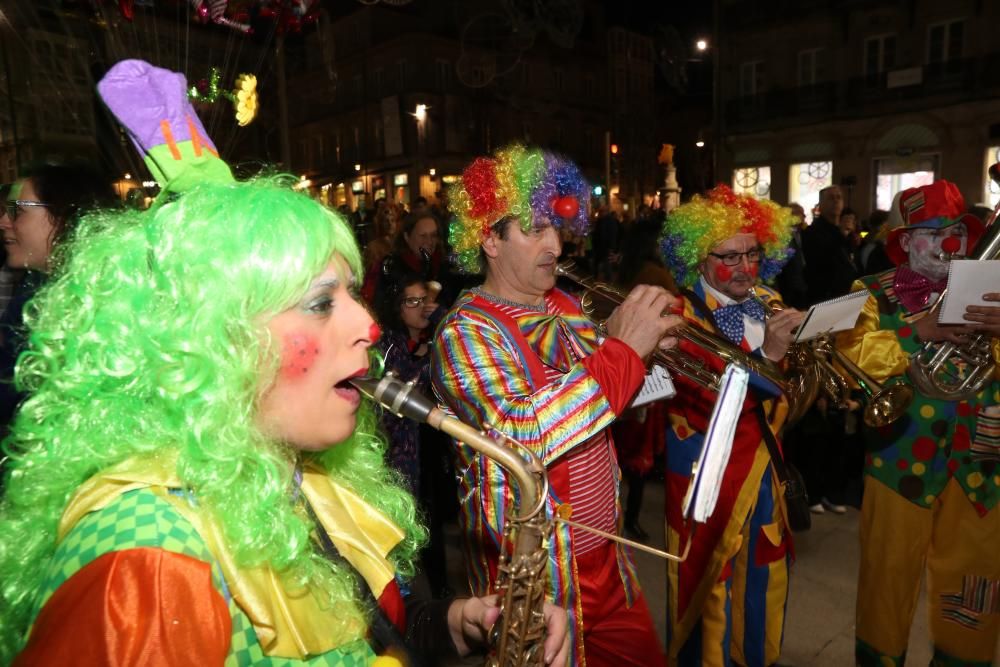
(701, 44)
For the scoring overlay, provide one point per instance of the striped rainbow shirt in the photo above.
(482, 376)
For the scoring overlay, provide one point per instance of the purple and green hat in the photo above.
(152, 105)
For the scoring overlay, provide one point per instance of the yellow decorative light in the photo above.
(245, 101)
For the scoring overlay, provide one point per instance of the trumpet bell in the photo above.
(888, 405)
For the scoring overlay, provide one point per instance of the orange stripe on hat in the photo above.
(168, 136)
(196, 139)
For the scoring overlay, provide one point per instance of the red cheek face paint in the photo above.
(752, 270)
(298, 354)
(374, 332)
(723, 273)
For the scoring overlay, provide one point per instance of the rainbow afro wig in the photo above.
(537, 187)
(693, 229)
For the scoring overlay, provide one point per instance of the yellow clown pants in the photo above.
(741, 621)
(960, 552)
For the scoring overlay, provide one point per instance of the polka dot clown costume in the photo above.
(931, 477)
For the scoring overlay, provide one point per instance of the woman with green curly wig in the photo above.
(190, 441)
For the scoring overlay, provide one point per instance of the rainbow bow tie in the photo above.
(551, 336)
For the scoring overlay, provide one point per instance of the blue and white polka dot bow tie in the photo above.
(730, 318)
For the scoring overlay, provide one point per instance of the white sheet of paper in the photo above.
(968, 281)
(703, 492)
(657, 385)
(838, 314)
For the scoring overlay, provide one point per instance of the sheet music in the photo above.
(706, 476)
(968, 281)
(657, 385)
(838, 314)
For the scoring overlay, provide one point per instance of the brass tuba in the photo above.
(947, 370)
(518, 637)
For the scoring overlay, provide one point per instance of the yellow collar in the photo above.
(288, 624)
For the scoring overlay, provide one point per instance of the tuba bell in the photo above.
(811, 369)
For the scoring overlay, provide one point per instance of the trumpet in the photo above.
(675, 360)
(813, 363)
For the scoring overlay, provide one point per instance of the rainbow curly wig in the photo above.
(535, 186)
(693, 229)
(150, 341)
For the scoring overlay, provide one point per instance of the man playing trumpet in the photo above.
(518, 355)
(726, 602)
(932, 477)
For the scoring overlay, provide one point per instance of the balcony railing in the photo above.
(964, 80)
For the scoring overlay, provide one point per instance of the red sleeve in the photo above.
(136, 607)
(619, 371)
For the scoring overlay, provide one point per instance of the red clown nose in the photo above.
(951, 245)
(566, 207)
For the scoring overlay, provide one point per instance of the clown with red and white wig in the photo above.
(932, 477)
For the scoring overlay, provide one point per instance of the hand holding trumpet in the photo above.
(643, 320)
(779, 332)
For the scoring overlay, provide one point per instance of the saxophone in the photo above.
(518, 637)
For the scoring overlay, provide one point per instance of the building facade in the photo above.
(53, 53)
(873, 96)
(410, 96)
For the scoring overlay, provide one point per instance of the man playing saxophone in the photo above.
(726, 601)
(517, 356)
(932, 479)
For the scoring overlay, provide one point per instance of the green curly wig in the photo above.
(149, 340)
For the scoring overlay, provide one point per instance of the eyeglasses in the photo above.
(414, 301)
(753, 256)
(13, 206)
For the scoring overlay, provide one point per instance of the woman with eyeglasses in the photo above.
(404, 312)
(40, 212)
(409, 312)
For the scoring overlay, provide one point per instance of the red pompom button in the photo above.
(566, 207)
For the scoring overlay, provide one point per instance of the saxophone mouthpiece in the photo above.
(394, 395)
(365, 384)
